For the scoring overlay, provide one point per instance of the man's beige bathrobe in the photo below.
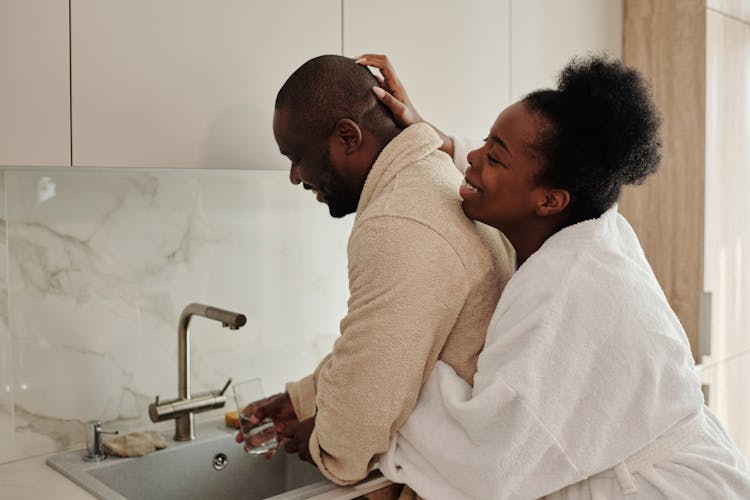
(424, 281)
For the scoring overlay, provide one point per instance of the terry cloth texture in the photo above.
(423, 283)
(135, 444)
(586, 389)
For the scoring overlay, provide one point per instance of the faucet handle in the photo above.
(94, 441)
(226, 386)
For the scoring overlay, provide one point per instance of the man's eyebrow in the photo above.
(500, 142)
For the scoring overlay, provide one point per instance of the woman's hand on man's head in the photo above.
(391, 92)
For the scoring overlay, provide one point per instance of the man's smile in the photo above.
(318, 194)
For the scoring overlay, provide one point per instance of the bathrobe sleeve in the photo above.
(492, 446)
(493, 441)
(407, 287)
(490, 441)
(302, 393)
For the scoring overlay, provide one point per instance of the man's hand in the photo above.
(298, 439)
(277, 408)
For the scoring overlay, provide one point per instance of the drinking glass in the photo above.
(262, 437)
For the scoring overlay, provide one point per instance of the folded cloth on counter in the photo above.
(135, 444)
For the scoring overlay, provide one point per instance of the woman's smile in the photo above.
(468, 189)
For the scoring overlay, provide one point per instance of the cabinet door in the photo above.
(34, 83)
(452, 56)
(547, 34)
(188, 83)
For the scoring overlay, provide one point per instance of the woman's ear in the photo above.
(348, 135)
(554, 202)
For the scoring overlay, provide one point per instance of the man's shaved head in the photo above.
(327, 88)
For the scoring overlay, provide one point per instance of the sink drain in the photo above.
(220, 461)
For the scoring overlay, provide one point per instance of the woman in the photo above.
(586, 387)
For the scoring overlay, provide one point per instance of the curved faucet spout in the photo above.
(229, 319)
(232, 320)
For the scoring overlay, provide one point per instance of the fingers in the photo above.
(304, 453)
(291, 445)
(255, 412)
(390, 80)
(275, 407)
(300, 447)
(397, 107)
(393, 94)
(379, 61)
(287, 430)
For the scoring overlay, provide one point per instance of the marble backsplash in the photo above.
(97, 264)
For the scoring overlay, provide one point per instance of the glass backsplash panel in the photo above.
(97, 265)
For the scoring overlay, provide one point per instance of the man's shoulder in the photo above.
(425, 191)
(425, 196)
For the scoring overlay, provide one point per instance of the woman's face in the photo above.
(499, 188)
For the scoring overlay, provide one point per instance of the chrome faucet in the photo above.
(94, 451)
(183, 408)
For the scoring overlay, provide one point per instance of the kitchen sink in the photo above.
(212, 466)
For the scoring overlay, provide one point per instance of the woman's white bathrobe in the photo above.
(586, 388)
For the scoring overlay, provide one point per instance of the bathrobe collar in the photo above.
(411, 145)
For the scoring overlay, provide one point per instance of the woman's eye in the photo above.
(495, 161)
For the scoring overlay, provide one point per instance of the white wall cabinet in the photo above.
(462, 63)
(191, 84)
(546, 34)
(453, 57)
(188, 83)
(34, 83)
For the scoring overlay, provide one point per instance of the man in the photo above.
(424, 280)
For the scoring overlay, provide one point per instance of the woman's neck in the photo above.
(530, 238)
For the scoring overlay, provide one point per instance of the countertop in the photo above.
(32, 478)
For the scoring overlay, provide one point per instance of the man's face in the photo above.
(312, 166)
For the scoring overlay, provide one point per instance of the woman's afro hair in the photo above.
(601, 132)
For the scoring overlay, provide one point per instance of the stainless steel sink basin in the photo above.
(213, 466)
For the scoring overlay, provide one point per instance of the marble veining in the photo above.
(7, 441)
(100, 262)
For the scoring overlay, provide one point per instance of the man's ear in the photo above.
(348, 134)
(554, 202)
